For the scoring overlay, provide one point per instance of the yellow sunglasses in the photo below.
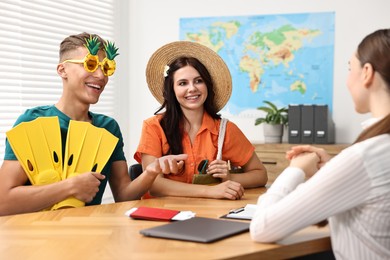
(91, 63)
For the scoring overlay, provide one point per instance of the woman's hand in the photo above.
(219, 169)
(169, 164)
(321, 153)
(308, 162)
(227, 190)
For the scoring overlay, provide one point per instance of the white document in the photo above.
(183, 215)
(246, 213)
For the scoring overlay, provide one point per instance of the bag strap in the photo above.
(221, 137)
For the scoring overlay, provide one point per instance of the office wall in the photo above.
(153, 23)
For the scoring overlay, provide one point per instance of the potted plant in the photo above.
(274, 122)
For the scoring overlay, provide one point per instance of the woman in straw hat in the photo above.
(192, 83)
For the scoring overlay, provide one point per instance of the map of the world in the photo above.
(284, 58)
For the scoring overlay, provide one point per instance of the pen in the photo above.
(235, 211)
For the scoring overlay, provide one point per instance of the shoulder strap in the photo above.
(221, 137)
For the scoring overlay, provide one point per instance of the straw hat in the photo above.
(165, 55)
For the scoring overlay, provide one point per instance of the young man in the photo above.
(86, 62)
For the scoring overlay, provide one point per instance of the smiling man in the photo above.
(85, 65)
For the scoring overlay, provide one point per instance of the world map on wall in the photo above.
(283, 58)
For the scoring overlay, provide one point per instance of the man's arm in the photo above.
(16, 197)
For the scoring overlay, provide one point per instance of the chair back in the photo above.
(135, 170)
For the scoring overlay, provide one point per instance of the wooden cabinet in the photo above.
(274, 159)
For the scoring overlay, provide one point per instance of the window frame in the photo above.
(30, 34)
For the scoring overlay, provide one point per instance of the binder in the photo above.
(294, 124)
(324, 127)
(307, 124)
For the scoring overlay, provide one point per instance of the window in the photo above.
(30, 35)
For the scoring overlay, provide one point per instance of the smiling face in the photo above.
(80, 85)
(190, 89)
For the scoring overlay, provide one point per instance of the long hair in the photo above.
(172, 117)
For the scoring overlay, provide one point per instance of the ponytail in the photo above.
(381, 127)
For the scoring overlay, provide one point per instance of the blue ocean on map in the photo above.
(282, 58)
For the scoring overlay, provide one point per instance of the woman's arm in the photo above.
(124, 189)
(289, 205)
(254, 173)
(166, 187)
(241, 152)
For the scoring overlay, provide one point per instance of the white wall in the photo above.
(153, 23)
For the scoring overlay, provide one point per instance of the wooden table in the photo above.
(274, 158)
(104, 232)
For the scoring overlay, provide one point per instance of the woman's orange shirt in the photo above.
(236, 148)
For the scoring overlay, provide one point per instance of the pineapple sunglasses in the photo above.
(91, 64)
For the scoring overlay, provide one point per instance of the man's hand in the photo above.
(85, 186)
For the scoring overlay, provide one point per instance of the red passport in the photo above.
(158, 214)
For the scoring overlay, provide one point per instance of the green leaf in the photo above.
(265, 109)
(92, 44)
(273, 107)
(274, 115)
(111, 50)
(259, 121)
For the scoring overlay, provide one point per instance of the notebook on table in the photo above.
(149, 213)
(158, 214)
(244, 213)
(197, 229)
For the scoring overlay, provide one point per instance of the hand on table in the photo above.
(227, 190)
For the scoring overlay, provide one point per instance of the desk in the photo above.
(104, 232)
